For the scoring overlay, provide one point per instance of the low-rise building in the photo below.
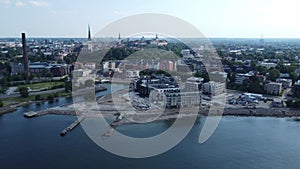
(277, 103)
(274, 88)
(185, 52)
(286, 83)
(296, 89)
(193, 83)
(240, 78)
(268, 64)
(132, 74)
(218, 75)
(297, 71)
(284, 75)
(109, 65)
(81, 72)
(57, 70)
(159, 84)
(183, 99)
(17, 68)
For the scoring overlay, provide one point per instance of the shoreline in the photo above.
(204, 111)
(7, 109)
(13, 107)
(171, 113)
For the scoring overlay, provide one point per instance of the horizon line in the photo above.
(82, 37)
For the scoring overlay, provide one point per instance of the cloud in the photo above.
(60, 12)
(37, 3)
(20, 4)
(116, 12)
(5, 2)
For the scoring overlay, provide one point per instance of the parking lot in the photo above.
(236, 99)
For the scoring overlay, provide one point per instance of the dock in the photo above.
(30, 114)
(72, 126)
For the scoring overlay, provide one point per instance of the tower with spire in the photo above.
(89, 33)
(89, 40)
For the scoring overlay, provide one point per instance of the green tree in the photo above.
(118, 54)
(254, 85)
(273, 74)
(50, 98)
(293, 76)
(32, 76)
(89, 83)
(68, 86)
(55, 95)
(24, 92)
(49, 74)
(60, 61)
(231, 77)
(261, 69)
(205, 76)
(38, 97)
(1, 103)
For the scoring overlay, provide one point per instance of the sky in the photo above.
(214, 18)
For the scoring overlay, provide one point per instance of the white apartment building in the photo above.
(214, 88)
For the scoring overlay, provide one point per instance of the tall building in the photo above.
(25, 58)
(262, 41)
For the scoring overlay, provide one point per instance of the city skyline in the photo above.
(215, 19)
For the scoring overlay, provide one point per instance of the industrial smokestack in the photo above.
(25, 58)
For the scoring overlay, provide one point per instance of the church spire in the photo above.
(89, 33)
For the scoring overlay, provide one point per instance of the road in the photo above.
(2, 96)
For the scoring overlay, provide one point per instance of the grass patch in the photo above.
(48, 85)
(12, 100)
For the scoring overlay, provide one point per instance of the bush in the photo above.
(50, 98)
(24, 92)
(38, 97)
(1, 103)
(289, 103)
(58, 86)
(296, 104)
(55, 95)
(293, 104)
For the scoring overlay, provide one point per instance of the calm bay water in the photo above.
(239, 142)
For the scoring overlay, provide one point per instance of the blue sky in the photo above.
(214, 18)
